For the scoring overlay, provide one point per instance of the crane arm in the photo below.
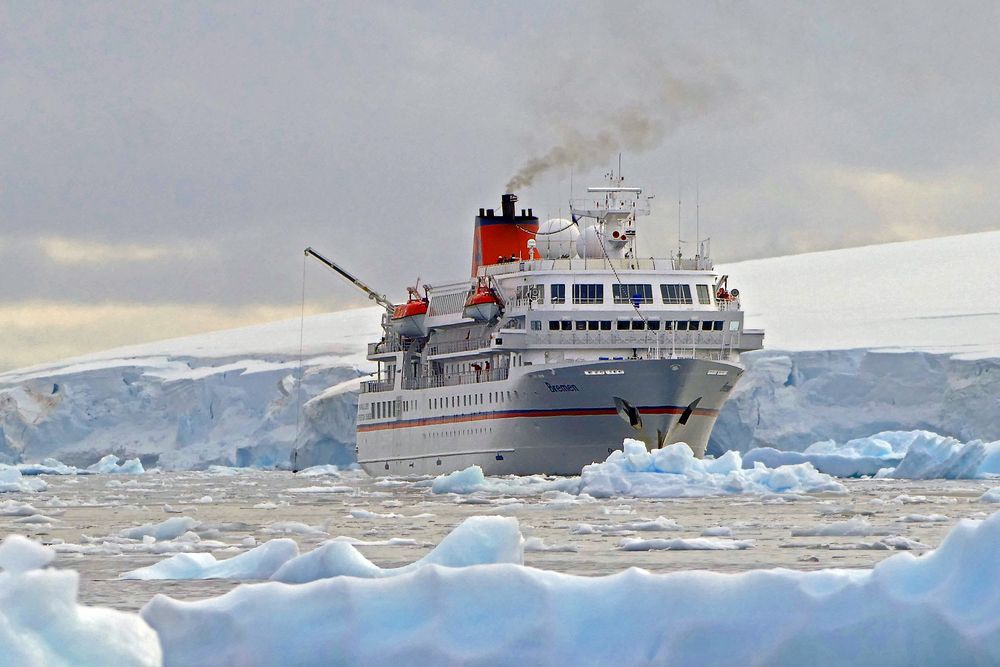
(372, 294)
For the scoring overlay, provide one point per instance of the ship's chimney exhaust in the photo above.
(507, 202)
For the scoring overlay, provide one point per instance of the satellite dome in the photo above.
(556, 238)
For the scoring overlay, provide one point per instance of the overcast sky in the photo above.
(162, 165)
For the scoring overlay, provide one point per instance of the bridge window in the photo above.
(654, 325)
(553, 325)
(676, 294)
(588, 293)
(623, 325)
(566, 325)
(592, 325)
(633, 293)
(704, 296)
(581, 325)
(734, 325)
(638, 325)
(605, 325)
(536, 325)
(717, 325)
(682, 325)
(558, 293)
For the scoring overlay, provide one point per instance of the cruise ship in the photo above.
(563, 342)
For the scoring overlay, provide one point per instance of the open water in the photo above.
(89, 511)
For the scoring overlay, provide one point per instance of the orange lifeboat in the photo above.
(482, 304)
(409, 318)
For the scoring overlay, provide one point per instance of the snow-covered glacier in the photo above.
(229, 397)
(891, 337)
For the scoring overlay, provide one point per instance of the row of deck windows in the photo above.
(626, 293)
(468, 400)
(635, 325)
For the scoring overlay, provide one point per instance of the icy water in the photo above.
(231, 506)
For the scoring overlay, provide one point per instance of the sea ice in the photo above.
(854, 527)
(109, 464)
(41, 624)
(991, 496)
(684, 544)
(11, 480)
(939, 609)
(258, 563)
(165, 530)
(477, 540)
(673, 471)
(537, 544)
(472, 480)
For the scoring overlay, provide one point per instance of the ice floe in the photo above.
(41, 624)
(538, 545)
(991, 496)
(673, 471)
(164, 530)
(855, 526)
(258, 563)
(940, 608)
(11, 480)
(110, 465)
(684, 544)
(472, 480)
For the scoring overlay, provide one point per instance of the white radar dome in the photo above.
(589, 244)
(556, 238)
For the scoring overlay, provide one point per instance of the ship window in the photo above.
(536, 325)
(676, 293)
(626, 293)
(682, 325)
(704, 296)
(623, 325)
(558, 292)
(553, 325)
(566, 325)
(588, 293)
(605, 325)
(717, 325)
(694, 325)
(734, 325)
(592, 325)
(668, 325)
(638, 324)
(581, 325)
(654, 325)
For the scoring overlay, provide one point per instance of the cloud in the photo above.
(62, 250)
(38, 331)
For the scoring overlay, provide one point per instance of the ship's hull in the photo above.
(553, 420)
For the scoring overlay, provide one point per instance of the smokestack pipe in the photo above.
(507, 202)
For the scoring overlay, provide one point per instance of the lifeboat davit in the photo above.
(482, 304)
(409, 318)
